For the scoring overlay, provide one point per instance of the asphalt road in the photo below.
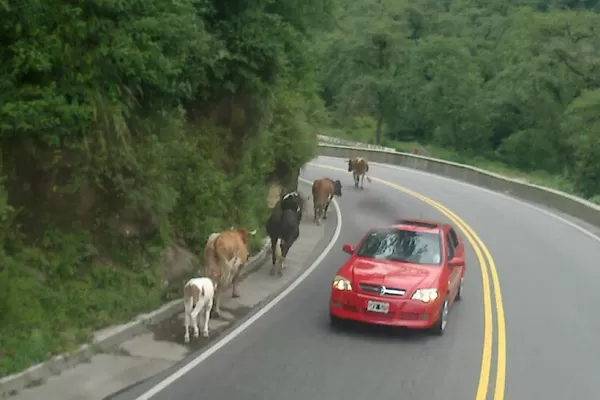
(548, 273)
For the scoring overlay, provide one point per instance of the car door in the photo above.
(455, 272)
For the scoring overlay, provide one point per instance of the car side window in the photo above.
(454, 238)
(449, 247)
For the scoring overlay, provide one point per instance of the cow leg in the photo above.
(286, 248)
(362, 181)
(273, 244)
(207, 309)
(273, 257)
(282, 261)
(274, 266)
(280, 266)
(284, 251)
(194, 318)
(188, 306)
(326, 209)
(216, 310)
(234, 284)
(355, 176)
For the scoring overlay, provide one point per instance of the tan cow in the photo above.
(323, 191)
(359, 166)
(225, 254)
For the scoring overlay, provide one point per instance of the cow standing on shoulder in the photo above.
(323, 191)
(198, 296)
(226, 254)
(283, 228)
(292, 201)
(359, 166)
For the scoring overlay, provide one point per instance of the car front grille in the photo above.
(376, 289)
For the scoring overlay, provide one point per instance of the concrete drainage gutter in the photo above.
(105, 339)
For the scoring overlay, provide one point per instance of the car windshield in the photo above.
(402, 245)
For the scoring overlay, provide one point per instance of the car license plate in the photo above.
(378, 306)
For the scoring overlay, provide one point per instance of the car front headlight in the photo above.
(341, 283)
(425, 295)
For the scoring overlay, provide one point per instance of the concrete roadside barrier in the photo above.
(536, 194)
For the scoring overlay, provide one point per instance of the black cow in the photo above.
(283, 228)
(292, 201)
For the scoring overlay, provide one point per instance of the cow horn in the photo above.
(253, 232)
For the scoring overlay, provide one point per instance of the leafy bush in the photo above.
(126, 126)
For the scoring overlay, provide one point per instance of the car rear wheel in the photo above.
(440, 326)
(460, 288)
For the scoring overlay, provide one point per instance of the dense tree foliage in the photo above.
(515, 81)
(129, 125)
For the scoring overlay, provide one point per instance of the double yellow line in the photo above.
(488, 268)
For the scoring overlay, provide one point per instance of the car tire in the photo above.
(460, 289)
(440, 326)
(335, 322)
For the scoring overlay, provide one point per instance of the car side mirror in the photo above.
(348, 248)
(456, 262)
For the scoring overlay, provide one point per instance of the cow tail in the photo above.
(368, 178)
(221, 261)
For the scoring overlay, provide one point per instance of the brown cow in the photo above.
(323, 191)
(225, 255)
(359, 166)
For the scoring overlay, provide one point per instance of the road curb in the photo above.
(107, 338)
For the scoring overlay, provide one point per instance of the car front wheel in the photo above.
(335, 321)
(440, 326)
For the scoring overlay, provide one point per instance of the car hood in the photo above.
(391, 274)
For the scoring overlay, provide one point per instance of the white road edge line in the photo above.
(237, 331)
(572, 224)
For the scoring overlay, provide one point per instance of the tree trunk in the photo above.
(378, 130)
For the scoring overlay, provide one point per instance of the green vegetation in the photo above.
(132, 129)
(509, 86)
(129, 126)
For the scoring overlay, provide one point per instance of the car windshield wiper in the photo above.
(398, 258)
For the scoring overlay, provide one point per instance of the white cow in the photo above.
(198, 295)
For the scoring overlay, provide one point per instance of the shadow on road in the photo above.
(380, 332)
(171, 330)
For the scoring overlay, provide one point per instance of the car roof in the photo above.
(418, 225)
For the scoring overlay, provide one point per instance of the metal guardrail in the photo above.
(555, 199)
(344, 142)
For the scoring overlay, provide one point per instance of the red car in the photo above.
(407, 275)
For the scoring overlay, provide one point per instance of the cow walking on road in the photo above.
(283, 228)
(198, 296)
(323, 191)
(359, 166)
(225, 255)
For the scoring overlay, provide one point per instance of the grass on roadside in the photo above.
(53, 297)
